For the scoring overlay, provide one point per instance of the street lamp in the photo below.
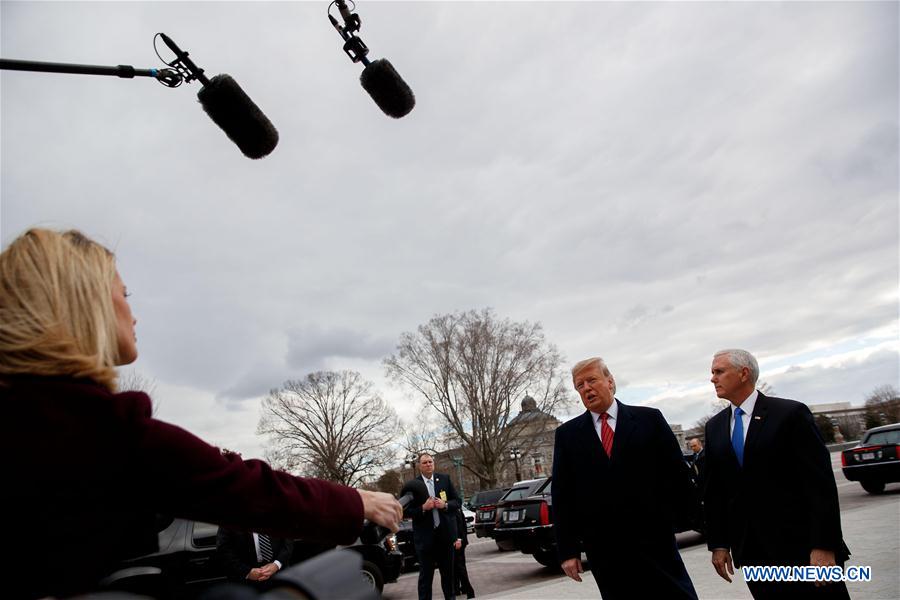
(458, 461)
(514, 455)
(411, 461)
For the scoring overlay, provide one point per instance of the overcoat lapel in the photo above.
(624, 428)
(721, 431)
(590, 439)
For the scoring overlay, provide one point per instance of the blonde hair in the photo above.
(594, 361)
(56, 309)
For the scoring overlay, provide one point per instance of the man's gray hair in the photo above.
(740, 359)
(593, 361)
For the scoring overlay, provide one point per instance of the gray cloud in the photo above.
(690, 176)
(309, 347)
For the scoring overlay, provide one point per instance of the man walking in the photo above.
(620, 485)
(771, 498)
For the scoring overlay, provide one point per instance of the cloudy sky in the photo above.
(650, 181)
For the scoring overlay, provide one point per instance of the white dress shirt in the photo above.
(613, 412)
(259, 556)
(746, 406)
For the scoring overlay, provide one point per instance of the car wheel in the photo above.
(373, 575)
(873, 487)
(548, 559)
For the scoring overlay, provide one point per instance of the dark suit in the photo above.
(462, 584)
(622, 512)
(698, 465)
(785, 492)
(237, 552)
(434, 546)
(699, 462)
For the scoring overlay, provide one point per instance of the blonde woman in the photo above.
(87, 467)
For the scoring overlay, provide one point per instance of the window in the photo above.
(204, 535)
(884, 437)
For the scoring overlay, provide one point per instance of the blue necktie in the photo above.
(737, 436)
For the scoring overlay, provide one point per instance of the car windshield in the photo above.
(884, 437)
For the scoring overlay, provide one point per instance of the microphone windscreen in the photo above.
(387, 88)
(238, 116)
(415, 487)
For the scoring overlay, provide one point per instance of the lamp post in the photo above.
(514, 455)
(411, 461)
(458, 461)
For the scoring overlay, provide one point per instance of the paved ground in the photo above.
(871, 528)
(872, 532)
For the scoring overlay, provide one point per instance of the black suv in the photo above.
(525, 522)
(483, 504)
(186, 563)
(403, 541)
(876, 460)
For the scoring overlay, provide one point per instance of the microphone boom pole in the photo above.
(221, 97)
(123, 71)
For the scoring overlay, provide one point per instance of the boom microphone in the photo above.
(387, 88)
(414, 492)
(379, 78)
(228, 106)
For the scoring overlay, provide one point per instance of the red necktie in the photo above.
(606, 434)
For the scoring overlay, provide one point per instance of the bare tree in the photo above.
(425, 433)
(391, 482)
(850, 427)
(130, 380)
(471, 368)
(331, 425)
(882, 406)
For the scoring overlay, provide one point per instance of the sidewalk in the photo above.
(872, 532)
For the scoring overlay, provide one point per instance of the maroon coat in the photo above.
(87, 470)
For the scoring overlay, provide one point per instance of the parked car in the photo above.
(469, 516)
(186, 563)
(524, 521)
(876, 460)
(403, 541)
(483, 504)
(518, 491)
(485, 497)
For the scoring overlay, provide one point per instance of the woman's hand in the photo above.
(382, 509)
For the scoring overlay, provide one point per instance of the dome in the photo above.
(529, 404)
